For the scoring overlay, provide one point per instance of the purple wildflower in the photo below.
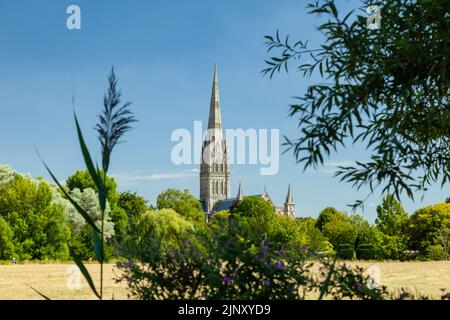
(258, 257)
(359, 286)
(304, 248)
(279, 265)
(228, 280)
(266, 282)
(127, 264)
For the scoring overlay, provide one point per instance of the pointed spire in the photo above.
(240, 195)
(289, 197)
(215, 119)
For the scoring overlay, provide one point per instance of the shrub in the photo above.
(222, 260)
(435, 252)
(6, 241)
(346, 251)
(365, 252)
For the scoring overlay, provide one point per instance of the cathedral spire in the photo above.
(215, 119)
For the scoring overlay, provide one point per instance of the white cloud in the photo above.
(133, 178)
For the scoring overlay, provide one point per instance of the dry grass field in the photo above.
(51, 279)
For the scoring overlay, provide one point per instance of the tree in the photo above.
(340, 233)
(256, 208)
(88, 200)
(387, 89)
(426, 224)
(316, 241)
(7, 174)
(83, 180)
(329, 214)
(7, 249)
(391, 217)
(133, 204)
(39, 226)
(443, 238)
(182, 202)
(154, 233)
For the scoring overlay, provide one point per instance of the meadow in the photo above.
(52, 279)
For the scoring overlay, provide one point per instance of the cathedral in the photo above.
(215, 181)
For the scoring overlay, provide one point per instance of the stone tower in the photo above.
(289, 205)
(215, 184)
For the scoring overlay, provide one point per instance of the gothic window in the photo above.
(221, 187)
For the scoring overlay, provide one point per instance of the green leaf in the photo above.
(83, 213)
(326, 283)
(98, 247)
(39, 293)
(84, 271)
(89, 164)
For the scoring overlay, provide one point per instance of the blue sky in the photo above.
(164, 54)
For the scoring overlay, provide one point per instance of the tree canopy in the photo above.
(387, 89)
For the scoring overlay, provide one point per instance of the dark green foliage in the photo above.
(82, 245)
(436, 252)
(182, 202)
(387, 89)
(346, 251)
(133, 204)
(365, 252)
(7, 249)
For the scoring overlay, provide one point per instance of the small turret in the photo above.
(239, 196)
(289, 205)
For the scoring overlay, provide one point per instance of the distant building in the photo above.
(215, 182)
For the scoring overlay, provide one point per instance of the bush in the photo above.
(226, 259)
(6, 241)
(345, 251)
(435, 252)
(365, 252)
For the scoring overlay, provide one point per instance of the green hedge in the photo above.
(345, 251)
(365, 252)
